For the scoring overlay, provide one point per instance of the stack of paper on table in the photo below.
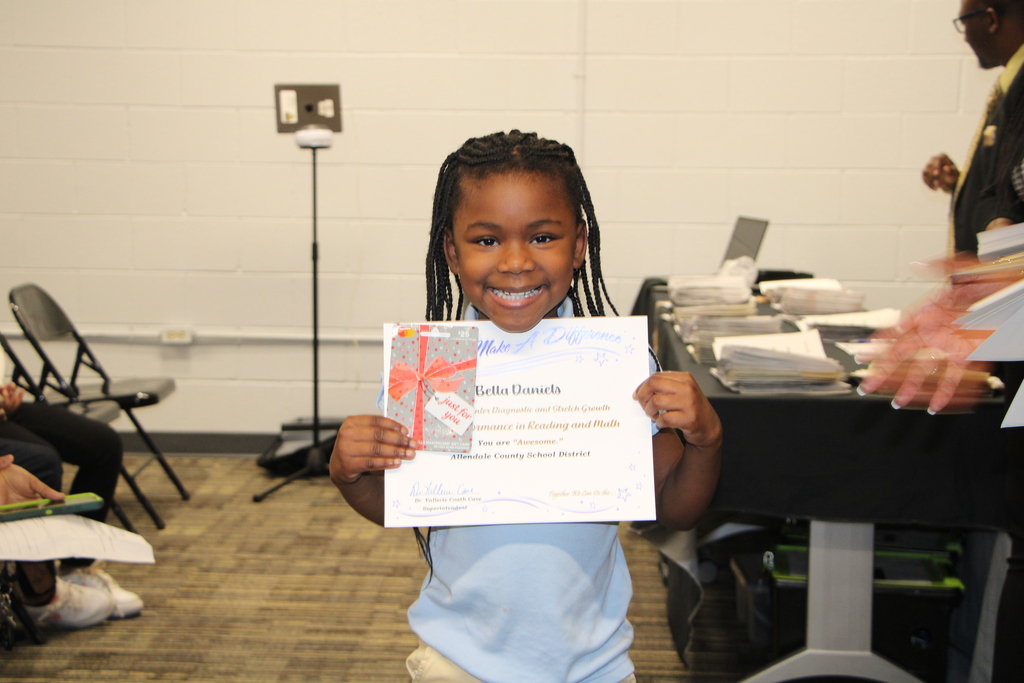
(811, 296)
(817, 301)
(710, 295)
(993, 244)
(700, 332)
(850, 326)
(773, 288)
(717, 310)
(1002, 312)
(703, 290)
(777, 363)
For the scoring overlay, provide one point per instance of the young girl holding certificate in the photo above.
(514, 224)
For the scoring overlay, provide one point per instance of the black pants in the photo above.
(92, 446)
(1009, 649)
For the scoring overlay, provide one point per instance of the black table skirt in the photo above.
(850, 458)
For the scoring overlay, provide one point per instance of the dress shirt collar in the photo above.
(1012, 68)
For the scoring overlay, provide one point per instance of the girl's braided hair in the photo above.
(497, 154)
(501, 153)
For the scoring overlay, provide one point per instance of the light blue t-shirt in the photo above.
(544, 603)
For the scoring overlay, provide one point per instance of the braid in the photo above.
(439, 286)
(512, 152)
(594, 247)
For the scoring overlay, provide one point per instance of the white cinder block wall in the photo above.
(142, 182)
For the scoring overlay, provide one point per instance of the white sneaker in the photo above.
(126, 603)
(73, 606)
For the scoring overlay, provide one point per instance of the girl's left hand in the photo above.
(674, 400)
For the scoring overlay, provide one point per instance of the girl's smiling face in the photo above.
(514, 244)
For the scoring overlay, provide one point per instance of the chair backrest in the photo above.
(41, 319)
(39, 314)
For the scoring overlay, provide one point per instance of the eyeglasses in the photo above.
(958, 23)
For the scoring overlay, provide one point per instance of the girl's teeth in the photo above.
(514, 296)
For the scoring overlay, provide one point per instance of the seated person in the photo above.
(47, 598)
(97, 451)
(92, 446)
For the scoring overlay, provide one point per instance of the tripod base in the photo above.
(294, 447)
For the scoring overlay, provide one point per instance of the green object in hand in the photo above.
(43, 507)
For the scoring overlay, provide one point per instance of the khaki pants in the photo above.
(427, 665)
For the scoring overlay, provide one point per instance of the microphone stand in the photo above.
(316, 459)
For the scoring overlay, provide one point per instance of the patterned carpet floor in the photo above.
(300, 588)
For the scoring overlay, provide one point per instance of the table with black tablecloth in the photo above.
(845, 462)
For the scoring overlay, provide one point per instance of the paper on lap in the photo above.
(51, 538)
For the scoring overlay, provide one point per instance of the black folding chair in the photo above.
(42, 320)
(102, 411)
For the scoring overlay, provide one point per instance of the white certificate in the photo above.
(556, 434)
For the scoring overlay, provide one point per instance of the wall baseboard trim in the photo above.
(204, 443)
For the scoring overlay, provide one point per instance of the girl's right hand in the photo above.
(368, 443)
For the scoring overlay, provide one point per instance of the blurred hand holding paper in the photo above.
(556, 434)
(973, 385)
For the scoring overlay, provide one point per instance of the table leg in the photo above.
(839, 593)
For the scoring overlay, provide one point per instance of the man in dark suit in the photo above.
(995, 31)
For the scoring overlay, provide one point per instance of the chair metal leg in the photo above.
(143, 499)
(26, 622)
(7, 631)
(185, 495)
(12, 611)
(8, 617)
(119, 513)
